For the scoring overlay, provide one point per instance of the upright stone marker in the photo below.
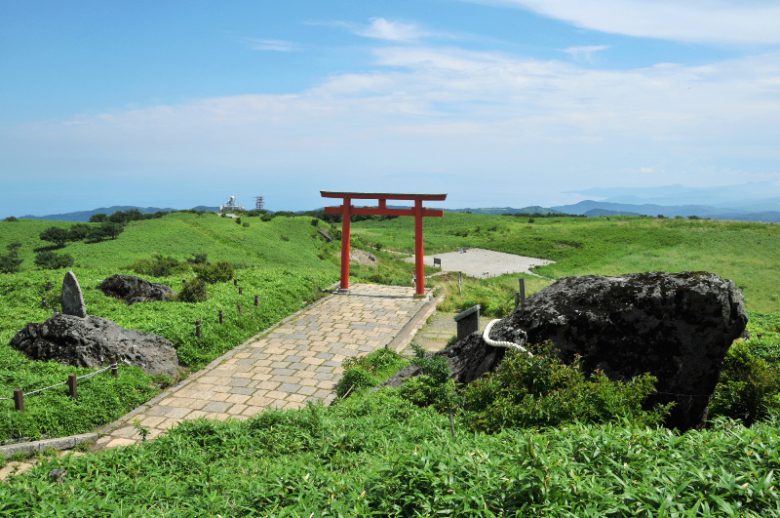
(468, 321)
(72, 297)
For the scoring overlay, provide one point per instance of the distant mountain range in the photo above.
(601, 208)
(84, 215)
(588, 208)
(591, 208)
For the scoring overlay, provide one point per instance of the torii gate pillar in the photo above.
(346, 211)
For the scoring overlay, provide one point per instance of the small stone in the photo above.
(72, 297)
(57, 474)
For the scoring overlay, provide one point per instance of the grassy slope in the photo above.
(744, 252)
(286, 273)
(379, 455)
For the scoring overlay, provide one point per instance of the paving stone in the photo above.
(299, 361)
(290, 387)
(216, 407)
(246, 391)
(237, 398)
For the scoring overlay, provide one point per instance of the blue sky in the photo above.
(502, 102)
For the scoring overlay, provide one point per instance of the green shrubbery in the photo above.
(368, 371)
(50, 261)
(193, 290)
(522, 392)
(59, 236)
(379, 455)
(433, 386)
(749, 386)
(10, 261)
(213, 273)
(159, 266)
(542, 391)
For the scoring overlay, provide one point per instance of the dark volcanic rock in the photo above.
(93, 342)
(677, 327)
(134, 289)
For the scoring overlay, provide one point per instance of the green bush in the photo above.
(10, 262)
(194, 290)
(52, 261)
(55, 235)
(11, 219)
(749, 386)
(541, 391)
(158, 266)
(433, 386)
(213, 273)
(201, 258)
(354, 380)
(107, 230)
(368, 371)
(79, 232)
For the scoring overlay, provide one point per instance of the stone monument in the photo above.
(72, 297)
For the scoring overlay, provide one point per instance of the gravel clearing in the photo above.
(480, 263)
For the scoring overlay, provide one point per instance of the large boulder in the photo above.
(676, 326)
(134, 289)
(95, 341)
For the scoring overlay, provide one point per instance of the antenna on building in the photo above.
(259, 203)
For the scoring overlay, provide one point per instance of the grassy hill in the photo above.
(392, 452)
(743, 252)
(279, 260)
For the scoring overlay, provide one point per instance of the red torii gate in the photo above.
(346, 210)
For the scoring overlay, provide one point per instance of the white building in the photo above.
(231, 205)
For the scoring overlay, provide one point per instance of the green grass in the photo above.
(375, 453)
(380, 455)
(285, 273)
(743, 252)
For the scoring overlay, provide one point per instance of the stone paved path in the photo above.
(297, 361)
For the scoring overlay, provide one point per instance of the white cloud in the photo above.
(383, 29)
(715, 21)
(386, 30)
(585, 52)
(512, 128)
(271, 45)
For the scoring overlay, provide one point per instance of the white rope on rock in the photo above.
(501, 343)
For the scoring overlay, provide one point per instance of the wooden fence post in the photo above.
(257, 300)
(221, 317)
(73, 386)
(238, 308)
(19, 400)
(522, 292)
(114, 369)
(198, 330)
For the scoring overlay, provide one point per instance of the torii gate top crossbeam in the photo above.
(346, 211)
(385, 195)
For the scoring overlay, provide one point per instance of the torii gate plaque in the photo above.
(346, 210)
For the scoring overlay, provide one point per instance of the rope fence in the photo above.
(71, 382)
